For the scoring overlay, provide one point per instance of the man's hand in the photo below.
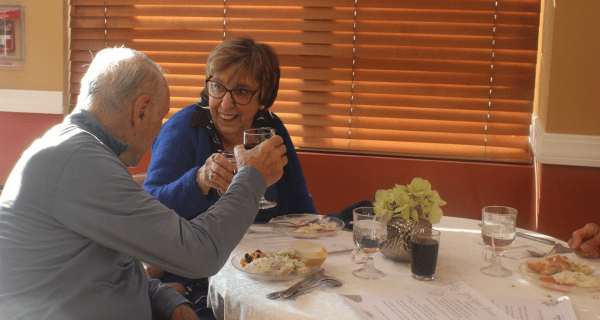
(177, 287)
(586, 241)
(152, 271)
(268, 158)
(183, 312)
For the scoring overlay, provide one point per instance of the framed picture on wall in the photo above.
(12, 39)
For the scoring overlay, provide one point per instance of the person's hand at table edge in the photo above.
(152, 271)
(268, 158)
(586, 241)
(183, 312)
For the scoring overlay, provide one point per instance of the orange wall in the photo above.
(44, 67)
(571, 66)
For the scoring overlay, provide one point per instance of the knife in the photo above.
(313, 286)
(296, 286)
(536, 238)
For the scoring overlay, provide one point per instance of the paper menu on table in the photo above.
(264, 239)
(551, 309)
(453, 302)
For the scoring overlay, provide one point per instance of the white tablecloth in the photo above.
(233, 295)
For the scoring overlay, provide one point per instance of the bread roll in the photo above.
(310, 253)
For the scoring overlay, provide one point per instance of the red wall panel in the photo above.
(568, 199)
(17, 132)
(336, 181)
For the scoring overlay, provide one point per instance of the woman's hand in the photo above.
(586, 241)
(217, 172)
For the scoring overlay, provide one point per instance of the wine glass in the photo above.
(370, 234)
(498, 231)
(252, 138)
(231, 158)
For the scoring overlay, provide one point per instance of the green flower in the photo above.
(414, 201)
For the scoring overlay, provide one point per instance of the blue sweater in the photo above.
(181, 149)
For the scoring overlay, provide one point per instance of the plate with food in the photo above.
(557, 272)
(308, 226)
(302, 259)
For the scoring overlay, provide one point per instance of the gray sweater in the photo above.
(74, 227)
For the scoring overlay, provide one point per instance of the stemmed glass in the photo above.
(370, 234)
(252, 138)
(231, 158)
(498, 231)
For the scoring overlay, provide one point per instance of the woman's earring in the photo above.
(262, 107)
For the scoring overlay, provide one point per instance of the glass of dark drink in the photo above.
(498, 230)
(252, 138)
(231, 158)
(425, 245)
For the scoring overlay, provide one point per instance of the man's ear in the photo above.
(140, 111)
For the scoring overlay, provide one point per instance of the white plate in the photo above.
(534, 278)
(289, 231)
(236, 261)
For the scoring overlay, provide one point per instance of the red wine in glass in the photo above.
(250, 145)
(252, 138)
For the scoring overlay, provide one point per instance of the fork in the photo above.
(296, 286)
(297, 225)
(313, 286)
(557, 248)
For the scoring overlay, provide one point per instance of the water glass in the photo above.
(498, 230)
(370, 234)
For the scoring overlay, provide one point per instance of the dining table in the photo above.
(233, 294)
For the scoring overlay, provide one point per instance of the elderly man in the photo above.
(74, 225)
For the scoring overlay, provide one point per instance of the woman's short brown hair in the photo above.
(246, 55)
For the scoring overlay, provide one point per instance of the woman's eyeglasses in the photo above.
(239, 96)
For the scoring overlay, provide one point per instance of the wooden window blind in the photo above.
(428, 78)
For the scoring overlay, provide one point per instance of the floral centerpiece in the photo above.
(407, 207)
(414, 201)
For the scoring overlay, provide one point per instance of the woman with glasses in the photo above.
(188, 167)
